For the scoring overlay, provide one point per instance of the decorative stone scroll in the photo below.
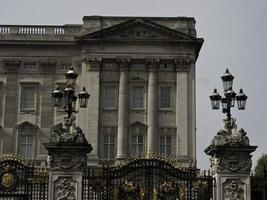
(65, 189)
(11, 65)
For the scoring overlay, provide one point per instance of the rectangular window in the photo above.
(165, 145)
(25, 145)
(138, 97)
(137, 144)
(27, 98)
(109, 147)
(30, 67)
(165, 97)
(109, 97)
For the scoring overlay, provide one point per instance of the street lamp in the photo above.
(66, 99)
(228, 101)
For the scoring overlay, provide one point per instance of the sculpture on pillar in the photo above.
(69, 133)
(233, 190)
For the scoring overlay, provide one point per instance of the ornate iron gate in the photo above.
(21, 180)
(145, 178)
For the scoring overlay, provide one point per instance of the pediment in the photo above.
(26, 124)
(136, 30)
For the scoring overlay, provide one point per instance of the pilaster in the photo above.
(182, 108)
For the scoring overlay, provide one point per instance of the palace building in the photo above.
(139, 72)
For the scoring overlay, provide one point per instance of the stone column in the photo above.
(230, 153)
(67, 164)
(123, 109)
(181, 109)
(152, 135)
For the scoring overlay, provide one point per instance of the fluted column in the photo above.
(152, 136)
(123, 109)
(181, 109)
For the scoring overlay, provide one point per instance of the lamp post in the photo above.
(229, 98)
(66, 99)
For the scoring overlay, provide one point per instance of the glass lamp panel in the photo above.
(224, 103)
(241, 104)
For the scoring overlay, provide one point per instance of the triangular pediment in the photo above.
(138, 29)
(26, 124)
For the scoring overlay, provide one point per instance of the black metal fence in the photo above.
(258, 188)
(21, 180)
(146, 179)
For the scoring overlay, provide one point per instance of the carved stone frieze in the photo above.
(139, 34)
(65, 189)
(233, 189)
(94, 64)
(67, 160)
(11, 65)
(233, 162)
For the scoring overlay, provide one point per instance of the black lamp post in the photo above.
(228, 101)
(67, 98)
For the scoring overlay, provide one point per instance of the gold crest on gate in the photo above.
(7, 178)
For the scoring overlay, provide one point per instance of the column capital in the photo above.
(123, 63)
(152, 64)
(94, 63)
(182, 64)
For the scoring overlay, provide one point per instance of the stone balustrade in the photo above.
(38, 32)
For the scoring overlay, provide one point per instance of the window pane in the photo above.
(138, 97)
(27, 97)
(165, 97)
(25, 144)
(112, 151)
(109, 96)
(140, 139)
(109, 147)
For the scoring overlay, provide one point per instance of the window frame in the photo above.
(27, 144)
(165, 145)
(132, 97)
(109, 158)
(138, 152)
(104, 97)
(22, 98)
(160, 97)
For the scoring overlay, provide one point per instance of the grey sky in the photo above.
(235, 33)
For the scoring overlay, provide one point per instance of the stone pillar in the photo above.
(181, 109)
(67, 164)
(231, 162)
(152, 135)
(123, 109)
(88, 118)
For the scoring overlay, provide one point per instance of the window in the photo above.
(137, 144)
(138, 97)
(165, 145)
(109, 147)
(109, 97)
(27, 98)
(165, 97)
(25, 145)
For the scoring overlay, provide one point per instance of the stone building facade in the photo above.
(139, 71)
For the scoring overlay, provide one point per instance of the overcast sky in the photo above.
(234, 31)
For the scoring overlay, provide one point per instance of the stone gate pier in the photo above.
(231, 162)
